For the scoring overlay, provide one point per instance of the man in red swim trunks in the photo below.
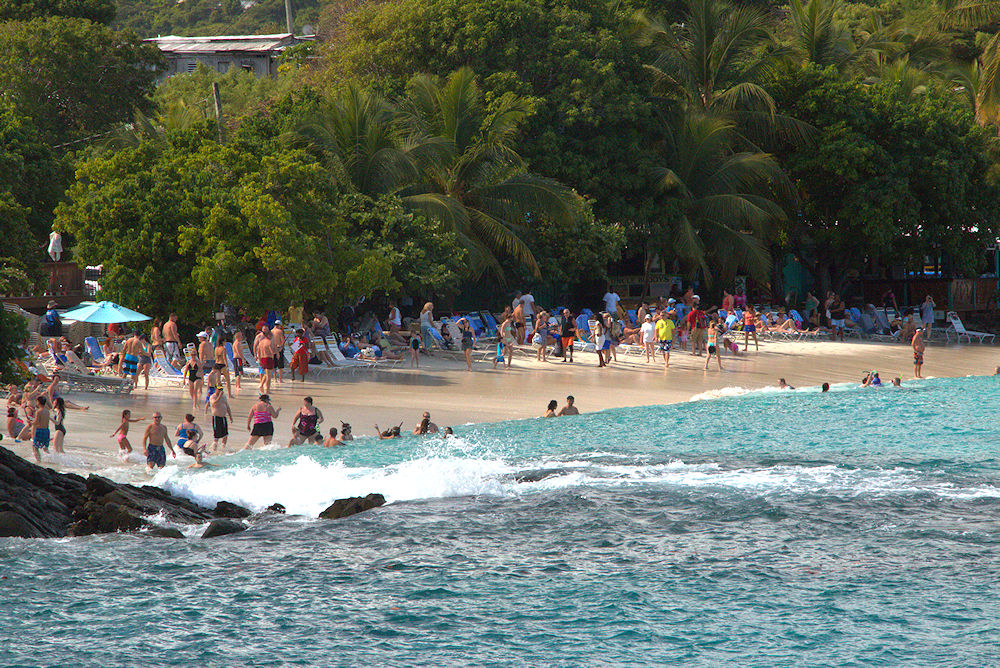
(264, 352)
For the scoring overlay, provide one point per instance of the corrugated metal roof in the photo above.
(224, 43)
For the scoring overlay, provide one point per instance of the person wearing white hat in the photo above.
(648, 336)
(205, 352)
(278, 340)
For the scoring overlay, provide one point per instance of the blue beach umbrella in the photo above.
(103, 312)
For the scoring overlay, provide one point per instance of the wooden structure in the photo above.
(66, 287)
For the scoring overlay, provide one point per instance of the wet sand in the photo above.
(455, 396)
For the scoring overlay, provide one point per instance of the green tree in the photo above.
(13, 331)
(474, 182)
(715, 61)
(719, 210)
(34, 177)
(425, 258)
(98, 11)
(74, 77)
(187, 224)
(572, 59)
(897, 177)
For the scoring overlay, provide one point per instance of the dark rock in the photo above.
(276, 508)
(165, 532)
(13, 525)
(231, 510)
(223, 527)
(38, 502)
(352, 506)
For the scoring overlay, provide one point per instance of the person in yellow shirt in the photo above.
(665, 337)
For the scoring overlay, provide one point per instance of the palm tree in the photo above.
(721, 202)
(714, 62)
(361, 144)
(471, 179)
(983, 75)
(818, 35)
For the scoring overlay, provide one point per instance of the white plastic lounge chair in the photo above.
(955, 325)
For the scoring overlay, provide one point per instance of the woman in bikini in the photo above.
(715, 330)
(220, 358)
(121, 433)
(305, 422)
(58, 416)
(192, 375)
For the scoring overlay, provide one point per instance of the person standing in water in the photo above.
(189, 436)
(40, 428)
(305, 422)
(260, 421)
(153, 441)
(569, 408)
(121, 434)
(58, 416)
(550, 410)
(918, 345)
(222, 413)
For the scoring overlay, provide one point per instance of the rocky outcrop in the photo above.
(223, 527)
(36, 502)
(352, 506)
(231, 510)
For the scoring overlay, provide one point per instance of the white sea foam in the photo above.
(307, 486)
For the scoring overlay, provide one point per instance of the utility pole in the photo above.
(217, 98)
(288, 16)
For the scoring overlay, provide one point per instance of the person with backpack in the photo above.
(697, 321)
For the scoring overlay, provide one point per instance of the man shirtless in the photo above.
(130, 358)
(221, 415)
(205, 351)
(171, 339)
(569, 408)
(278, 341)
(918, 352)
(40, 428)
(152, 443)
(263, 350)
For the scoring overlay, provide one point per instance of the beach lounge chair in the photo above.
(339, 360)
(94, 349)
(955, 325)
(85, 382)
(492, 329)
(582, 326)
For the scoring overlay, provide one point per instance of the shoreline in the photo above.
(456, 397)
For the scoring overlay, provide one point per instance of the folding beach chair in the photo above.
(94, 349)
(956, 325)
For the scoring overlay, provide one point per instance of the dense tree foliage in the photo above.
(573, 59)
(191, 223)
(890, 175)
(213, 17)
(448, 155)
(98, 11)
(433, 141)
(74, 77)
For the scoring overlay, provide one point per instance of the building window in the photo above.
(223, 67)
(191, 67)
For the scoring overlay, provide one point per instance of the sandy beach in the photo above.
(455, 396)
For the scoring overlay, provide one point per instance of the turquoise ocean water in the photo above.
(855, 528)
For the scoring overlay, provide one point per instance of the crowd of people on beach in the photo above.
(213, 367)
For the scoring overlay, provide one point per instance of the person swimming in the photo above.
(392, 432)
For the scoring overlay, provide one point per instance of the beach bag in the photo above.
(557, 349)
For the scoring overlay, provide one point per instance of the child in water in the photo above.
(124, 447)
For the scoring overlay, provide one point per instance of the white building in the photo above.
(253, 53)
